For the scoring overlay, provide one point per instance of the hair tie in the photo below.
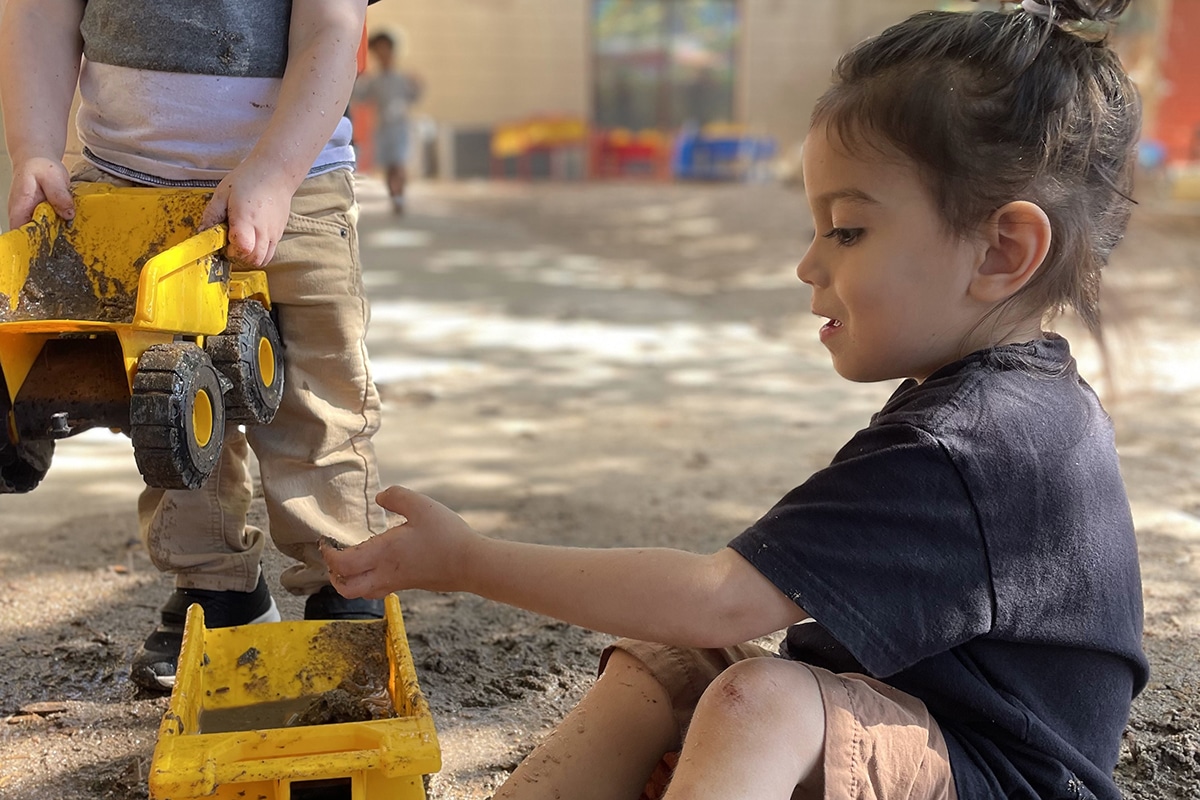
(1037, 9)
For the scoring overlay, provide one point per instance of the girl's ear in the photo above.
(1017, 236)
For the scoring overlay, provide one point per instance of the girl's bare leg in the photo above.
(758, 732)
(607, 746)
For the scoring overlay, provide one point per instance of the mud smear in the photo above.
(362, 695)
(349, 702)
(61, 286)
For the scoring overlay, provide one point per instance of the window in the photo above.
(661, 63)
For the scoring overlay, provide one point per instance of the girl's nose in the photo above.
(808, 269)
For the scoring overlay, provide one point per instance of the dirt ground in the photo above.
(599, 365)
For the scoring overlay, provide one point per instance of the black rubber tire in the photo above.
(176, 445)
(22, 464)
(238, 354)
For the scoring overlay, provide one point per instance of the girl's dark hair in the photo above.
(994, 107)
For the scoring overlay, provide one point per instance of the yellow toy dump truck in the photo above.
(130, 318)
(296, 711)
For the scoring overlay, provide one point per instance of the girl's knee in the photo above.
(763, 687)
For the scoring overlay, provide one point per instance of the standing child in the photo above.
(392, 92)
(961, 581)
(246, 99)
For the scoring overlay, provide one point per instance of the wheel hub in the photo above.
(202, 418)
(266, 361)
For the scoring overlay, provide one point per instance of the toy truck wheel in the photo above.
(22, 464)
(177, 416)
(250, 354)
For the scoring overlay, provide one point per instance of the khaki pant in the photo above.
(316, 459)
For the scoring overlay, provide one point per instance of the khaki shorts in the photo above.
(880, 743)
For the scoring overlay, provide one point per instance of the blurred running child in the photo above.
(393, 93)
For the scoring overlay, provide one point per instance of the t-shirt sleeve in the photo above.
(883, 548)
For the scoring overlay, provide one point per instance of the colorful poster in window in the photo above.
(661, 63)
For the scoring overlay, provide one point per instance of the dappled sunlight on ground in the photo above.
(600, 365)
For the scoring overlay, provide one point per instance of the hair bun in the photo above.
(1090, 10)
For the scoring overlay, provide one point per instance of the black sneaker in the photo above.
(328, 604)
(154, 663)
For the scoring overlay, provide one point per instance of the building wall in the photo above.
(789, 50)
(486, 61)
(489, 61)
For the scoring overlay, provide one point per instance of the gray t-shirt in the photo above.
(176, 92)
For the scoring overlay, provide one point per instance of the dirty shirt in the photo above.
(176, 93)
(973, 546)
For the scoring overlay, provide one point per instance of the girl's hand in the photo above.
(255, 200)
(38, 180)
(431, 550)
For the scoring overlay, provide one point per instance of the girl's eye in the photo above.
(844, 237)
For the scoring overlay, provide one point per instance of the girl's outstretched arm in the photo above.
(655, 594)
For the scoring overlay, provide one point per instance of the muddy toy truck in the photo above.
(130, 318)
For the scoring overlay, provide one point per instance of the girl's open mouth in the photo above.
(830, 328)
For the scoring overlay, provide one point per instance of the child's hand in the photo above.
(255, 200)
(428, 551)
(39, 180)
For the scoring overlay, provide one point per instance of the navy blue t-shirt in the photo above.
(973, 546)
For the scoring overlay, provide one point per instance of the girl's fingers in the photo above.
(396, 498)
(360, 585)
(342, 583)
(407, 503)
(352, 561)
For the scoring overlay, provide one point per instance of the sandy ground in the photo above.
(600, 365)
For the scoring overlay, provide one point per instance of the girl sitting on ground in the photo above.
(961, 581)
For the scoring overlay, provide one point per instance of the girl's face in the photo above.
(890, 279)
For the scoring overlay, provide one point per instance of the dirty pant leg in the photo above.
(317, 460)
(201, 535)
